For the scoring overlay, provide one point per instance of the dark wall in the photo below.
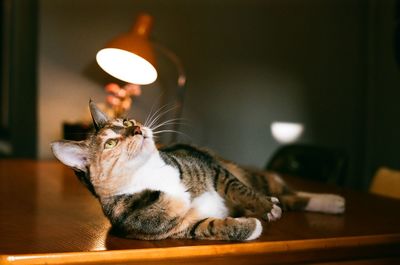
(19, 77)
(383, 141)
(325, 64)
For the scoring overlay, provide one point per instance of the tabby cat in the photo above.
(179, 191)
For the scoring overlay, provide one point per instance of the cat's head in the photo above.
(103, 161)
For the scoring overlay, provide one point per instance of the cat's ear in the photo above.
(72, 153)
(99, 118)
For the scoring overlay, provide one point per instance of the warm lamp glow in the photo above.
(126, 66)
(130, 56)
(286, 132)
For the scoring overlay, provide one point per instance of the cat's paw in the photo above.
(273, 212)
(327, 203)
(257, 230)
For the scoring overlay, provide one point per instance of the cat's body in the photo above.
(179, 191)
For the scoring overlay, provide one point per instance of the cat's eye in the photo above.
(110, 143)
(128, 123)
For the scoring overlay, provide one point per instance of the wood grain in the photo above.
(47, 216)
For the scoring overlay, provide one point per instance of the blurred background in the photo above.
(329, 65)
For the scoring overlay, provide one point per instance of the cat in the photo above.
(179, 191)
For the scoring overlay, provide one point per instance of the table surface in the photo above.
(46, 215)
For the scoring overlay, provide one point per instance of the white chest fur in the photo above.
(210, 204)
(156, 175)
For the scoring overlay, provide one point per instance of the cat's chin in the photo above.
(147, 145)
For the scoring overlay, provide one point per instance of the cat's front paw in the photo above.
(257, 230)
(273, 212)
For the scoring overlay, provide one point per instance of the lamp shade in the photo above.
(130, 56)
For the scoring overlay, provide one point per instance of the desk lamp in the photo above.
(130, 57)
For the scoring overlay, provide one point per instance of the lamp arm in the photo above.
(175, 59)
(181, 81)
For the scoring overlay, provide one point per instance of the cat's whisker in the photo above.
(157, 112)
(170, 131)
(167, 125)
(152, 108)
(169, 122)
(151, 116)
(160, 115)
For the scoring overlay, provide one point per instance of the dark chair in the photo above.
(317, 163)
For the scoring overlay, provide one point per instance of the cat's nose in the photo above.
(137, 130)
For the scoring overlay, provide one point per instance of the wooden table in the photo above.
(48, 217)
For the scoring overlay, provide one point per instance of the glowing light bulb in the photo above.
(126, 66)
(286, 132)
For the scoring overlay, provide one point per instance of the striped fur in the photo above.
(179, 191)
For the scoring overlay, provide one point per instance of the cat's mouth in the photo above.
(146, 133)
(145, 138)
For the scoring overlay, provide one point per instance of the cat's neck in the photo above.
(154, 174)
(154, 162)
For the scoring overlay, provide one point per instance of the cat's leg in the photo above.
(272, 184)
(229, 187)
(324, 203)
(225, 229)
(313, 202)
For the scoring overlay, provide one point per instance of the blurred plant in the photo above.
(120, 98)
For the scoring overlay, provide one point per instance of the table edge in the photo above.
(187, 252)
